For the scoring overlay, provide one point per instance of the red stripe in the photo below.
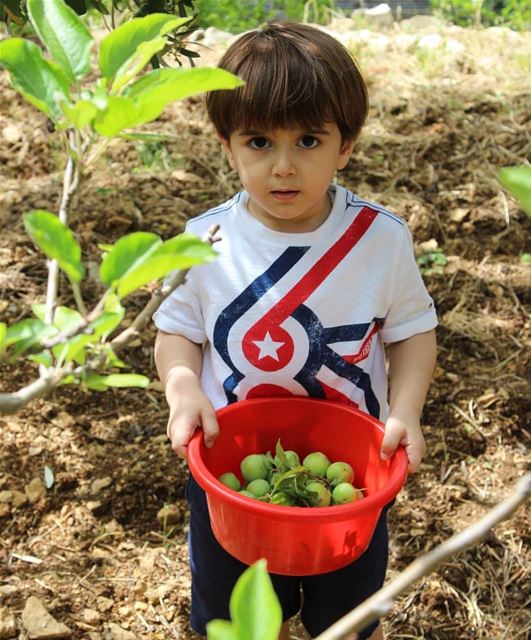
(320, 270)
(364, 349)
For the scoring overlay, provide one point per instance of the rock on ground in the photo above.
(40, 624)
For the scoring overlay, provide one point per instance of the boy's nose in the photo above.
(283, 164)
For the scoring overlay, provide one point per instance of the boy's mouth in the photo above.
(284, 195)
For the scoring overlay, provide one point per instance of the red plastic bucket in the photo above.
(296, 540)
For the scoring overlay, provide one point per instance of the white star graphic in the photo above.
(268, 347)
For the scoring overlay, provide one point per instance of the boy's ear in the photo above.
(228, 151)
(347, 147)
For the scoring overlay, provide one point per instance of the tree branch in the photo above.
(50, 378)
(13, 402)
(383, 600)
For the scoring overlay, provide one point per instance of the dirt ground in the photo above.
(94, 548)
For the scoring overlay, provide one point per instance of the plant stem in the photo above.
(70, 184)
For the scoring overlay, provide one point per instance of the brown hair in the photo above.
(295, 75)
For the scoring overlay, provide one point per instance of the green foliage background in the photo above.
(512, 13)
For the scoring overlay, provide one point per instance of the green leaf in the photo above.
(220, 630)
(120, 113)
(3, 331)
(131, 67)
(43, 358)
(253, 601)
(127, 254)
(81, 113)
(153, 268)
(74, 349)
(127, 380)
(112, 359)
(122, 43)
(160, 87)
(112, 302)
(187, 244)
(41, 82)
(64, 34)
(56, 240)
(66, 319)
(517, 180)
(145, 99)
(106, 323)
(95, 382)
(101, 383)
(27, 334)
(141, 257)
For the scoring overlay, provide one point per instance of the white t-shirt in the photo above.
(301, 313)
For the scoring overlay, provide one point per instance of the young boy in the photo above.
(310, 283)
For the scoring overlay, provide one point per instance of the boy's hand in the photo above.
(190, 409)
(409, 435)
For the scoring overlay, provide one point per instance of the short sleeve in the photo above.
(180, 313)
(411, 308)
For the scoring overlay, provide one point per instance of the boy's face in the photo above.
(287, 173)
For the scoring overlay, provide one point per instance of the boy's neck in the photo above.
(296, 225)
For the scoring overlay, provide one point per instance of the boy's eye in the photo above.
(308, 142)
(259, 143)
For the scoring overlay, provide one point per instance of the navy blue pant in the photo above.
(321, 599)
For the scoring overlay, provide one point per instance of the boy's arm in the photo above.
(179, 362)
(411, 365)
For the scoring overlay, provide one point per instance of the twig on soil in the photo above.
(382, 601)
(469, 419)
(163, 621)
(149, 627)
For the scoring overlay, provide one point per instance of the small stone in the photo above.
(39, 624)
(8, 627)
(119, 633)
(91, 616)
(169, 514)
(63, 419)
(6, 496)
(100, 483)
(113, 526)
(459, 214)
(156, 593)
(431, 41)
(104, 604)
(35, 490)
(19, 498)
(7, 590)
(4, 509)
(11, 133)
